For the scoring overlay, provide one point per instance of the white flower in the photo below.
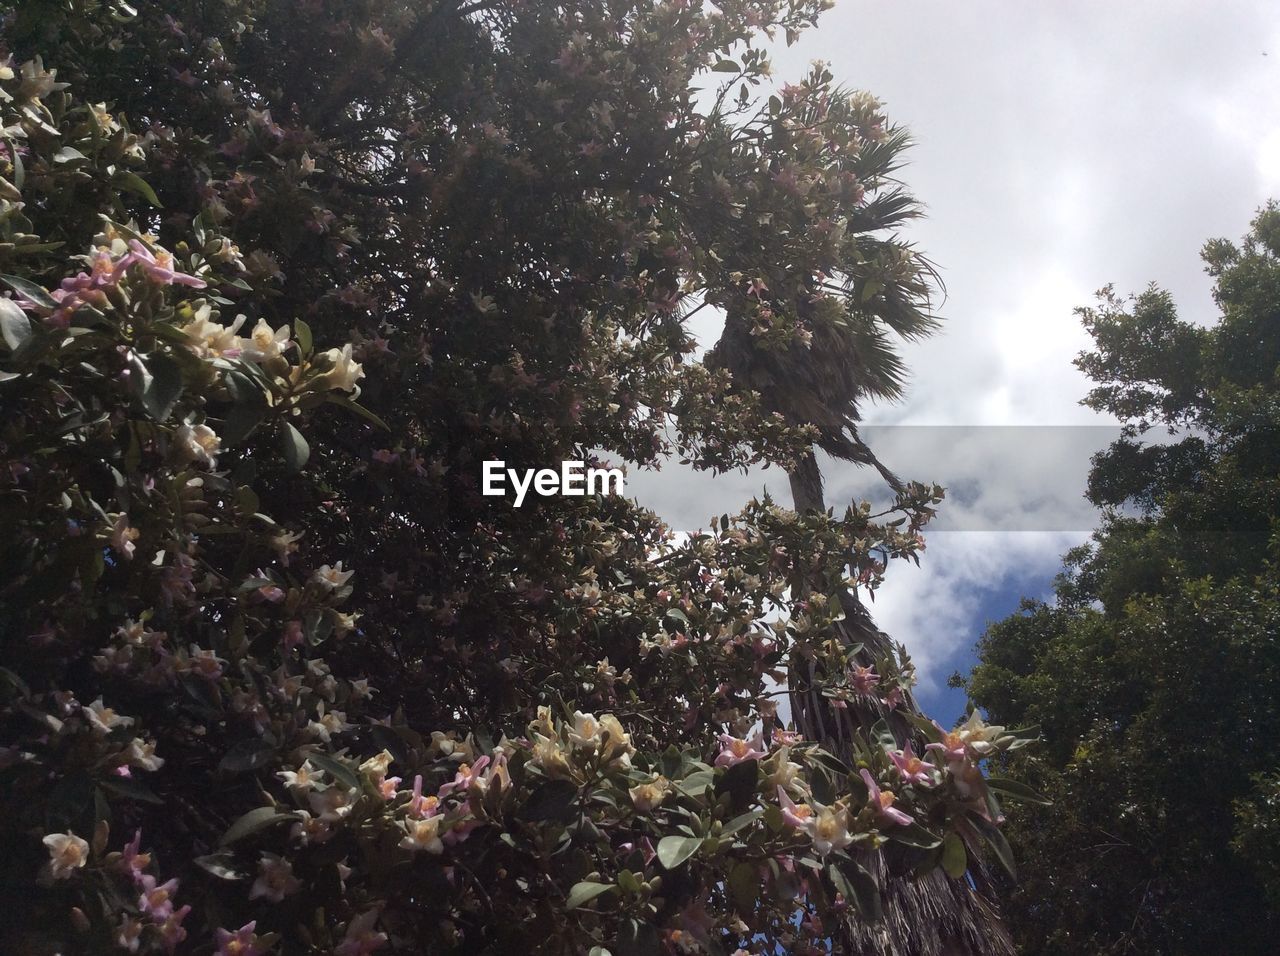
(376, 766)
(830, 831)
(123, 536)
(103, 719)
(332, 577)
(549, 755)
(360, 689)
(331, 805)
(423, 835)
(264, 344)
(142, 754)
(646, 796)
(67, 853)
(197, 443)
(275, 879)
(304, 778)
(328, 723)
(345, 372)
(210, 339)
(285, 543)
(585, 734)
(615, 742)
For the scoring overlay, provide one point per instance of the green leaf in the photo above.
(857, 886)
(739, 781)
(913, 834)
(674, 850)
(637, 938)
(339, 399)
(136, 184)
(29, 291)
(157, 381)
(19, 173)
(744, 886)
(1017, 790)
(247, 755)
(552, 801)
(130, 789)
(69, 800)
(295, 448)
(738, 822)
(69, 154)
(15, 326)
(253, 821)
(335, 768)
(996, 840)
(954, 858)
(221, 865)
(302, 333)
(727, 66)
(585, 892)
(248, 411)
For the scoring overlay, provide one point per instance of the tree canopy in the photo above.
(276, 676)
(1155, 675)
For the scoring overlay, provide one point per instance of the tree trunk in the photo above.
(931, 916)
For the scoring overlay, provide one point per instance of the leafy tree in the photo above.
(850, 298)
(1155, 676)
(276, 674)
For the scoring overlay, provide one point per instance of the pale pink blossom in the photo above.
(157, 898)
(911, 768)
(864, 679)
(275, 879)
(243, 942)
(735, 750)
(361, 938)
(882, 801)
(67, 853)
(158, 266)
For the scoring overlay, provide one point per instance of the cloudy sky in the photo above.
(1061, 146)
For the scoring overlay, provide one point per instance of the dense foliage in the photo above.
(1155, 676)
(279, 276)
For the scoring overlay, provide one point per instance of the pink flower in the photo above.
(243, 942)
(123, 537)
(159, 267)
(953, 746)
(361, 939)
(420, 806)
(275, 880)
(293, 636)
(864, 679)
(156, 899)
(912, 768)
(882, 801)
(466, 777)
(132, 860)
(171, 931)
(734, 750)
(799, 816)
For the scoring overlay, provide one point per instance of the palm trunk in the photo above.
(930, 916)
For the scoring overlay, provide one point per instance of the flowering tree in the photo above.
(276, 676)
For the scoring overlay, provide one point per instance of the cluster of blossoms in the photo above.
(152, 914)
(174, 563)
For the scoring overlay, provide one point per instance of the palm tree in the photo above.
(884, 294)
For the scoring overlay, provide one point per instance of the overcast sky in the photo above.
(1061, 146)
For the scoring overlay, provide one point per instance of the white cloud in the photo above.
(1060, 147)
